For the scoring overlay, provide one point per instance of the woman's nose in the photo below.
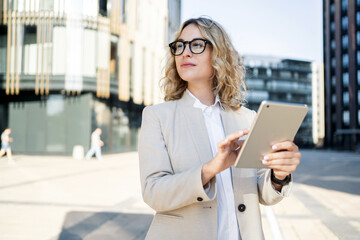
(187, 51)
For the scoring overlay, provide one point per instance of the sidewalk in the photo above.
(58, 198)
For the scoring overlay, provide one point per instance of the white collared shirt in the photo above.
(228, 228)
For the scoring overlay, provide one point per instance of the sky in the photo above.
(279, 28)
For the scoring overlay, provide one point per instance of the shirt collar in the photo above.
(198, 104)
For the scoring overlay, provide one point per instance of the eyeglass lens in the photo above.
(197, 46)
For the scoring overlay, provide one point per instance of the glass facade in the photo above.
(342, 73)
(69, 68)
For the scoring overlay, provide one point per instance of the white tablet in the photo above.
(274, 122)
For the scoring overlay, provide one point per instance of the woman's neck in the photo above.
(204, 94)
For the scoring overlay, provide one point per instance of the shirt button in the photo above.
(199, 199)
(241, 207)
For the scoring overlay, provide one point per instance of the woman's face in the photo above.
(194, 68)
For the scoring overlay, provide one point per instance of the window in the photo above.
(333, 81)
(358, 77)
(345, 79)
(358, 97)
(344, 23)
(345, 60)
(123, 11)
(346, 98)
(255, 83)
(345, 41)
(358, 18)
(257, 96)
(103, 7)
(333, 99)
(333, 44)
(344, 5)
(333, 62)
(358, 37)
(29, 51)
(358, 57)
(332, 27)
(283, 85)
(346, 118)
(114, 60)
(268, 72)
(131, 70)
(255, 72)
(332, 8)
(285, 74)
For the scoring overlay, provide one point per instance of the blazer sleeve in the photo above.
(268, 195)
(162, 189)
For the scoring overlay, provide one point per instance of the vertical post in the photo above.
(43, 25)
(18, 49)
(24, 12)
(37, 56)
(5, 11)
(48, 56)
(8, 57)
(12, 83)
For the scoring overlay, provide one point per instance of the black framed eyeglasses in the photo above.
(197, 46)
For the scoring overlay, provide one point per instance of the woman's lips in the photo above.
(187, 65)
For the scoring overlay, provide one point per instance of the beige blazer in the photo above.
(173, 146)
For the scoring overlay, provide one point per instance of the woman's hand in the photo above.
(284, 160)
(228, 149)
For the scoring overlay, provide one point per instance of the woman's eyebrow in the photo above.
(180, 39)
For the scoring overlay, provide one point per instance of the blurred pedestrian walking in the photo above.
(5, 145)
(96, 145)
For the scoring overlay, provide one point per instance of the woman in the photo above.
(185, 159)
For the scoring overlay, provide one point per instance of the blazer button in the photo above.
(241, 207)
(199, 199)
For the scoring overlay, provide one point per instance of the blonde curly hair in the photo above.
(229, 73)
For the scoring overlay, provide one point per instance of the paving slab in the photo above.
(59, 198)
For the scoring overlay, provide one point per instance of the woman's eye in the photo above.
(179, 45)
(197, 45)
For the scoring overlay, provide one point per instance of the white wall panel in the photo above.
(59, 53)
(89, 52)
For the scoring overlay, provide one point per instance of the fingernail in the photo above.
(266, 158)
(226, 140)
(264, 161)
(241, 132)
(274, 147)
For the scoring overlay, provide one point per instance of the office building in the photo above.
(68, 67)
(341, 36)
(284, 80)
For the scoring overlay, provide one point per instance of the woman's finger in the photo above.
(282, 155)
(281, 162)
(236, 135)
(232, 139)
(286, 145)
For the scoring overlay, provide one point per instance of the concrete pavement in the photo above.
(58, 198)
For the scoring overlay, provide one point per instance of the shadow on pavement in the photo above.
(338, 171)
(104, 225)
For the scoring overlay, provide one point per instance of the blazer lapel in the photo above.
(229, 123)
(196, 127)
